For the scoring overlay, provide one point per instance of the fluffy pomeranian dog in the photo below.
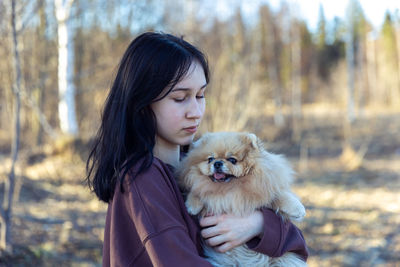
(231, 172)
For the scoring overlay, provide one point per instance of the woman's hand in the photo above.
(227, 231)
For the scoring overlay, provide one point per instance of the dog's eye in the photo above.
(210, 159)
(232, 160)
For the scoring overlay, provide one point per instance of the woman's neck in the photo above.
(168, 153)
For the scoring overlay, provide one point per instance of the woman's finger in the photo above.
(208, 221)
(216, 240)
(209, 232)
(224, 247)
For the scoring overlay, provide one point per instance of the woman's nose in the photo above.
(195, 110)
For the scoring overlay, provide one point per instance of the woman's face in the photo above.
(180, 112)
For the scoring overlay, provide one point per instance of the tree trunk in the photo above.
(6, 210)
(349, 117)
(296, 83)
(350, 73)
(374, 88)
(361, 77)
(43, 61)
(274, 74)
(66, 87)
(397, 37)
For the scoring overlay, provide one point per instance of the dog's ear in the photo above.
(195, 144)
(252, 140)
(199, 141)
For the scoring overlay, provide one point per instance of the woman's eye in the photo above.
(210, 159)
(232, 160)
(200, 96)
(179, 99)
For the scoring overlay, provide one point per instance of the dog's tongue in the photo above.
(219, 175)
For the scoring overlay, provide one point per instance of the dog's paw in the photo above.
(292, 207)
(192, 210)
(296, 211)
(193, 206)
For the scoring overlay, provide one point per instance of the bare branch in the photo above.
(10, 182)
(42, 118)
(28, 19)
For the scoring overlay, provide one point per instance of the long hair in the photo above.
(151, 63)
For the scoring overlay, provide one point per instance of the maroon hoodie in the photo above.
(148, 225)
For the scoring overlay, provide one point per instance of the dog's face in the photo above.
(220, 160)
(223, 157)
(232, 171)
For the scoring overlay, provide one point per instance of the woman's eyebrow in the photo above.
(185, 88)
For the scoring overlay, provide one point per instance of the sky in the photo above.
(224, 9)
(373, 9)
(309, 9)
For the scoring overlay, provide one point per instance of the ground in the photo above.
(352, 199)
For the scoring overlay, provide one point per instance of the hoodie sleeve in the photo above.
(155, 212)
(279, 237)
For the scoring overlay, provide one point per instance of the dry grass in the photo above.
(353, 216)
(56, 219)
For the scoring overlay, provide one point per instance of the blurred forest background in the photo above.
(328, 99)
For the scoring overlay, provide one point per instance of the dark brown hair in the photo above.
(152, 62)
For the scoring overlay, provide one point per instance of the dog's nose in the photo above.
(218, 164)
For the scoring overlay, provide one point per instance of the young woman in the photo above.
(154, 107)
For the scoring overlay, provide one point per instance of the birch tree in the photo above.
(350, 63)
(66, 87)
(349, 156)
(42, 58)
(6, 209)
(273, 50)
(322, 60)
(296, 80)
(321, 35)
(390, 68)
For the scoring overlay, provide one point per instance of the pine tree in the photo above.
(321, 32)
(389, 44)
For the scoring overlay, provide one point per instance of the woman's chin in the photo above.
(187, 141)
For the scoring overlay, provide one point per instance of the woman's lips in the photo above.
(192, 129)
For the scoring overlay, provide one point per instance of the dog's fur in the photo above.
(233, 173)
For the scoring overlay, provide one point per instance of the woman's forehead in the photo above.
(193, 80)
